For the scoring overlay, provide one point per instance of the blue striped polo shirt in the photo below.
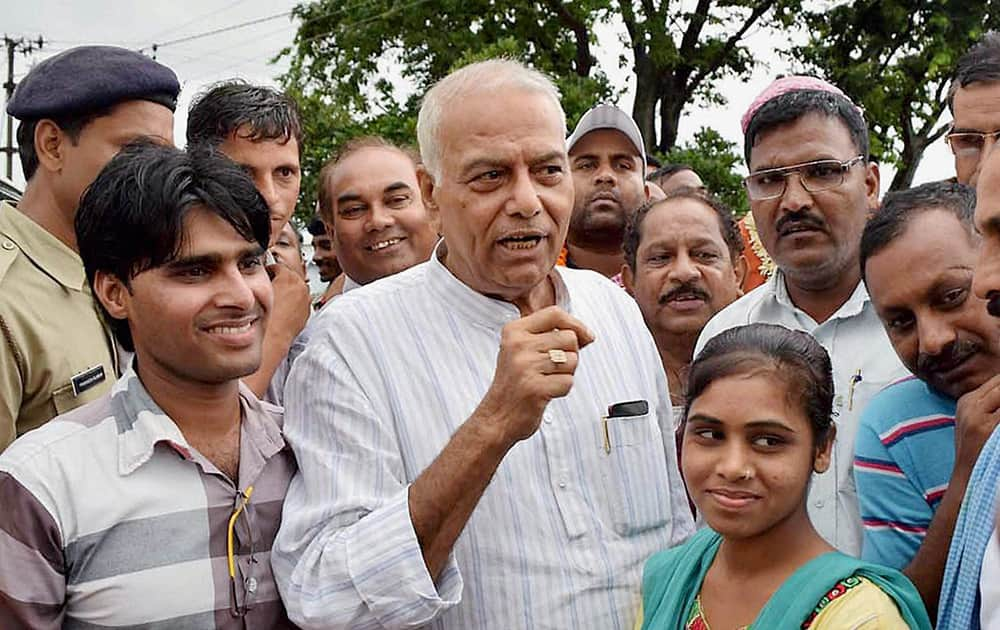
(905, 452)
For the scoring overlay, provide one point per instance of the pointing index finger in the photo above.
(552, 318)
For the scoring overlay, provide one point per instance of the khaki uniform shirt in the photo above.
(55, 352)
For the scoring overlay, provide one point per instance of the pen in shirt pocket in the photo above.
(857, 378)
(622, 410)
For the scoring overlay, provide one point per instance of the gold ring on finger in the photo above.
(556, 355)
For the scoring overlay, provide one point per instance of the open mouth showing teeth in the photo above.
(383, 244)
(526, 241)
(230, 330)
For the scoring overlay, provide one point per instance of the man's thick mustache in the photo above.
(684, 289)
(801, 217)
(954, 354)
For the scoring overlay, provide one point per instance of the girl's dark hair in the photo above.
(790, 355)
(131, 218)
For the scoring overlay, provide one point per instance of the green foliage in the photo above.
(344, 52)
(716, 160)
(896, 59)
(359, 66)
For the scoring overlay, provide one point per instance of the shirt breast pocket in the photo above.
(637, 476)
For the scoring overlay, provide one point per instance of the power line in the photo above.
(224, 29)
(200, 18)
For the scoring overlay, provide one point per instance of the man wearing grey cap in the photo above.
(607, 158)
(77, 110)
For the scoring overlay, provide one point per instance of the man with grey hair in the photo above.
(475, 451)
(974, 101)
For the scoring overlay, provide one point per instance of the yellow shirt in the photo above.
(55, 352)
(863, 607)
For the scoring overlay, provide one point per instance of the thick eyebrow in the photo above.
(547, 157)
(768, 167)
(395, 186)
(348, 196)
(481, 163)
(964, 130)
(211, 260)
(756, 424)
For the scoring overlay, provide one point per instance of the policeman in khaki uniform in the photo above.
(76, 111)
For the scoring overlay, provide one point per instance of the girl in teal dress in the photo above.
(757, 426)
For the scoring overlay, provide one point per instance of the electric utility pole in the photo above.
(12, 45)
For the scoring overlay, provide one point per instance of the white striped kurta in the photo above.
(558, 539)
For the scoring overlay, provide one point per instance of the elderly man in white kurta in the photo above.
(485, 440)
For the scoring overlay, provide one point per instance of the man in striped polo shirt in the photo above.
(916, 447)
(156, 505)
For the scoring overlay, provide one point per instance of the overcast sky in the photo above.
(246, 52)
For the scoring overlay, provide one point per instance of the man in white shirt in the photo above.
(484, 439)
(811, 187)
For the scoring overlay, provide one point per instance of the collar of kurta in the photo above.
(47, 252)
(142, 424)
(852, 307)
(476, 307)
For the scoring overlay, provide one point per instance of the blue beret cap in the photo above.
(88, 78)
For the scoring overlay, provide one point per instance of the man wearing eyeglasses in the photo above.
(156, 505)
(811, 189)
(974, 101)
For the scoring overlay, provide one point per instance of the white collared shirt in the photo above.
(859, 349)
(558, 539)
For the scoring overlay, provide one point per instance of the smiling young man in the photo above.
(915, 450)
(370, 197)
(77, 109)
(157, 504)
(683, 264)
(447, 419)
(811, 189)
(259, 128)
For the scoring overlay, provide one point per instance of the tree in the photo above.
(896, 59)
(346, 52)
(715, 159)
(677, 56)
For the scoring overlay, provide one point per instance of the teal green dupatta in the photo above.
(672, 580)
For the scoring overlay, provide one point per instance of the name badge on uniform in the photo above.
(87, 379)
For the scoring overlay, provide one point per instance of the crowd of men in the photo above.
(474, 425)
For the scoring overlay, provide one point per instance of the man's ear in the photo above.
(740, 268)
(427, 186)
(628, 279)
(872, 179)
(113, 294)
(50, 145)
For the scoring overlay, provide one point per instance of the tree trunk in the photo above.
(646, 95)
(671, 106)
(910, 158)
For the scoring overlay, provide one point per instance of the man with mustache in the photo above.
(915, 451)
(606, 154)
(485, 439)
(370, 198)
(683, 264)
(811, 188)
